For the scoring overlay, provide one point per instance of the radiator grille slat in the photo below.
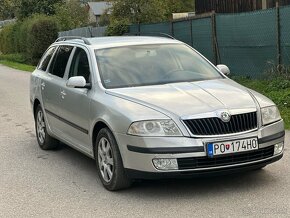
(215, 126)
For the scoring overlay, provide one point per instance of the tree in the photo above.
(30, 7)
(139, 11)
(177, 6)
(71, 15)
(8, 9)
(126, 12)
(105, 18)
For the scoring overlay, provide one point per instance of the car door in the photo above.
(75, 103)
(51, 87)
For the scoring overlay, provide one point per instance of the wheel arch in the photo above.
(35, 105)
(97, 128)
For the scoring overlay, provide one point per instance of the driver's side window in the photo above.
(80, 65)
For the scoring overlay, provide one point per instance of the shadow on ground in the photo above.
(214, 185)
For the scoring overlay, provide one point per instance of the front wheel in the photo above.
(109, 162)
(45, 141)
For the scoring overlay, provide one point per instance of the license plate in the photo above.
(229, 147)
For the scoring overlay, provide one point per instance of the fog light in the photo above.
(278, 148)
(165, 164)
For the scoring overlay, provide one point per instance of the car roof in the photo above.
(118, 41)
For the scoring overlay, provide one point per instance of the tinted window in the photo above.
(45, 59)
(60, 60)
(80, 65)
(142, 65)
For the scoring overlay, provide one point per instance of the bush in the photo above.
(6, 39)
(30, 37)
(23, 35)
(43, 32)
(117, 27)
(11, 40)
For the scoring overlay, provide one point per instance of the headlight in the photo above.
(154, 128)
(270, 115)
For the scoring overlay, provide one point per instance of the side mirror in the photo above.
(76, 82)
(224, 69)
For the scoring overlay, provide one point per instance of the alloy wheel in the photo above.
(40, 127)
(105, 159)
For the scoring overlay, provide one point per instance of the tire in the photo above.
(45, 141)
(109, 162)
(260, 168)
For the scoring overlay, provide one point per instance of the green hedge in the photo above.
(30, 37)
(6, 40)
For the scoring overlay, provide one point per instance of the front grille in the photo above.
(204, 162)
(215, 126)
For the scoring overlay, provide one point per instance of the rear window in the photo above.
(46, 59)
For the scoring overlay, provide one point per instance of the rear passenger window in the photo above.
(45, 59)
(60, 60)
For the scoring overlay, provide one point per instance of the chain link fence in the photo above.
(285, 35)
(249, 43)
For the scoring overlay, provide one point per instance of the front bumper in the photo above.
(135, 174)
(138, 152)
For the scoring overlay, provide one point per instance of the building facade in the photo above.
(96, 9)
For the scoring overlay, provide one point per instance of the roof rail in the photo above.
(65, 38)
(150, 34)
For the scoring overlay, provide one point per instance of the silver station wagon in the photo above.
(150, 107)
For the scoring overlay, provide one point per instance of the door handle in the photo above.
(63, 94)
(42, 85)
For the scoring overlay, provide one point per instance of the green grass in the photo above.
(278, 90)
(18, 66)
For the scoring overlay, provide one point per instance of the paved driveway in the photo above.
(64, 183)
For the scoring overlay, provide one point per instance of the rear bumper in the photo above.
(135, 174)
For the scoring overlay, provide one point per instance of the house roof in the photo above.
(99, 8)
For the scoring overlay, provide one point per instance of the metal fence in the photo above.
(6, 22)
(85, 32)
(249, 43)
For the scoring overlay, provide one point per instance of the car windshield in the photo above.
(142, 65)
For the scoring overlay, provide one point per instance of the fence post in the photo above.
(172, 28)
(90, 31)
(278, 34)
(139, 29)
(191, 36)
(214, 37)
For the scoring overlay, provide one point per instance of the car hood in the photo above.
(190, 98)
